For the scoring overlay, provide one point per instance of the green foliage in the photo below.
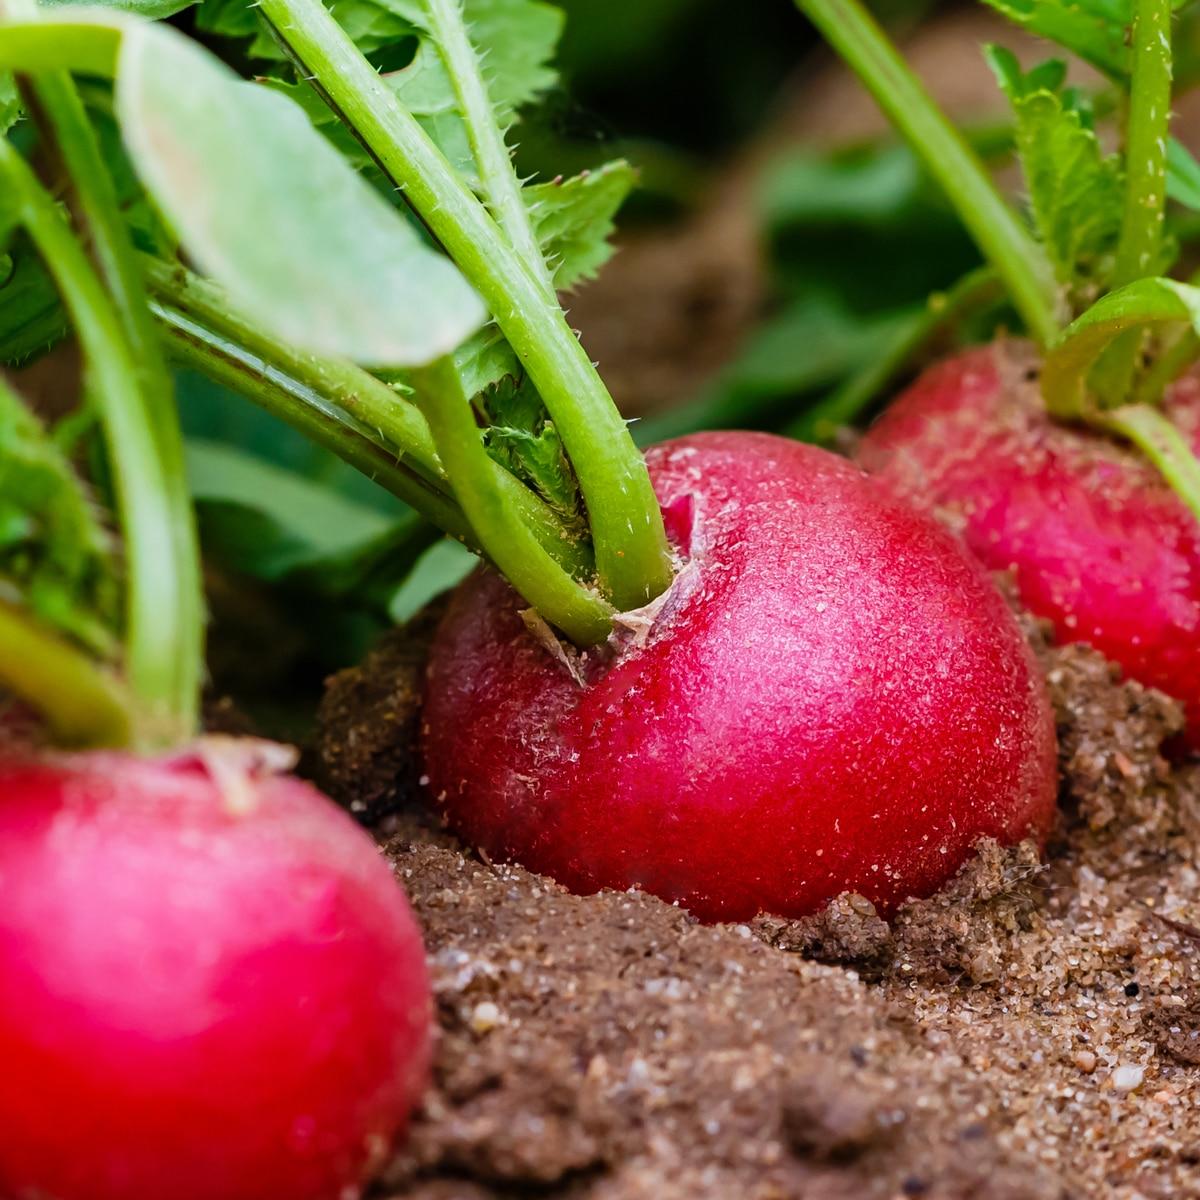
(152, 10)
(56, 557)
(1075, 190)
(523, 439)
(516, 38)
(1183, 175)
(31, 318)
(339, 273)
(10, 107)
(1092, 29)
(574, 219)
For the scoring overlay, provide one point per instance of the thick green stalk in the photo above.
(1005, 243)
(83, 704)
(501, 188)
(154, 600)
(632, 560)
(1157, 438)
(1140, 244)
(193, 346)
(581, 614)
(64, 123)
(349, 405)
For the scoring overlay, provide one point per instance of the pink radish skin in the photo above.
(833, 697)
(1098, 543)
(211, 986)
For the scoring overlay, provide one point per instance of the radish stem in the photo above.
(1146, 144)
(157, 610)
(82, 703)
(582, 615)
(1161, 442)
(60, 115)
(632, 560)
(1140, 244)
(501, 188)
(359, 418)
(1004, 241)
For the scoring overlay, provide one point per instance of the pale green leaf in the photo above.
(153, 10)
(1183, 175)
(574, 218)
(1075, 190)
(267, 207)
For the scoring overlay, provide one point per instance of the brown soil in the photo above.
(1032, 1032)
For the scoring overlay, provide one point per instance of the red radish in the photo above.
(832, 697)
(211, 987)
(1100, 544)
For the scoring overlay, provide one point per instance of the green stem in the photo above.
(1167, 366)
(154, 599)
(1136, 307)
(1140, 245)
(501, 187)
(582, 615)
(1005, 243)
(1161, 442)
(60, 115)
(233, 366)
(632, 560)
(83, 704)
(847, 403)
(350, 406)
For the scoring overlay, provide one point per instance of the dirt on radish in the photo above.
(1030, 1032)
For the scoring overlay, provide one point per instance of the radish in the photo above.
(1099, 543)
(210, 984)
(812, 689)
(211, 987)
(1020, 449)
(831, 697)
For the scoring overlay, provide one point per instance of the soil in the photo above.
(1030, 1033)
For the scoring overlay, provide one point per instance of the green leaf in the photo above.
(373, 26)
(267, 207)
(31, 317)
(516, 40)
(55, 554)
(306, 520)
(152, 10)
(442, 566)
(521, 438)
(1092, 29)
(574, 218)
(1075, 190)
(1183, 175)
(10, 104)
(1141, 305)
(282, 528)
